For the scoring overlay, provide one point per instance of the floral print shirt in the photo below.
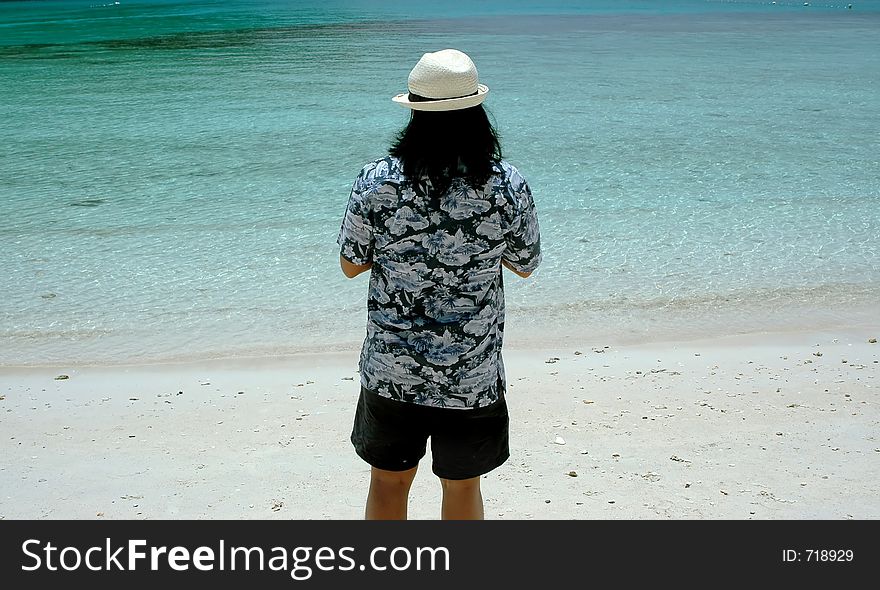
(435, 306)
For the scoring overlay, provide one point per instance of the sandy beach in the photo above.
(770, 426)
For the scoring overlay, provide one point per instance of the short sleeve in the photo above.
(523, 238)
(356, 234)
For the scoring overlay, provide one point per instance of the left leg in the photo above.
(389, 494)
(387, 434)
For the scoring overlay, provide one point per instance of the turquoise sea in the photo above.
(173, 173)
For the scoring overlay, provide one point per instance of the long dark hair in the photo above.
(442, 145)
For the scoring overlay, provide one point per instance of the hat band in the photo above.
(419, 98)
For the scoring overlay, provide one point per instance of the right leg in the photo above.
(462, 499)
(389, 494)
(469, 444)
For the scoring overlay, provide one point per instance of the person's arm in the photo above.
(356, 234)
(524, 275)
(351, 270)
(522, 252)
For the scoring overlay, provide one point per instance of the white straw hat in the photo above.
(445, 80)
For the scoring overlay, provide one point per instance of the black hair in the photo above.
(442, 145)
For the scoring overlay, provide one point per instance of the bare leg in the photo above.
(462, 499)
(389, 494)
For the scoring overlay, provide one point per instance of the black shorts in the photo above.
(465, 443)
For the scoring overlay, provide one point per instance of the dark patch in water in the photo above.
(88, 203)
(222, 39)
(200, 40)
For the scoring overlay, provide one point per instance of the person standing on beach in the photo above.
(434, 221)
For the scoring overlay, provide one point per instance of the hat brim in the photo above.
(445, 104)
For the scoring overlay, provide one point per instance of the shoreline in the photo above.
(742, 427)
(526, 328)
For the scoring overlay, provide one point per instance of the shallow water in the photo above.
(174, 174)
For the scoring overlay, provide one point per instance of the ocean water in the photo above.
(173, 174)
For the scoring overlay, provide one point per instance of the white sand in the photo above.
(741, 427)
